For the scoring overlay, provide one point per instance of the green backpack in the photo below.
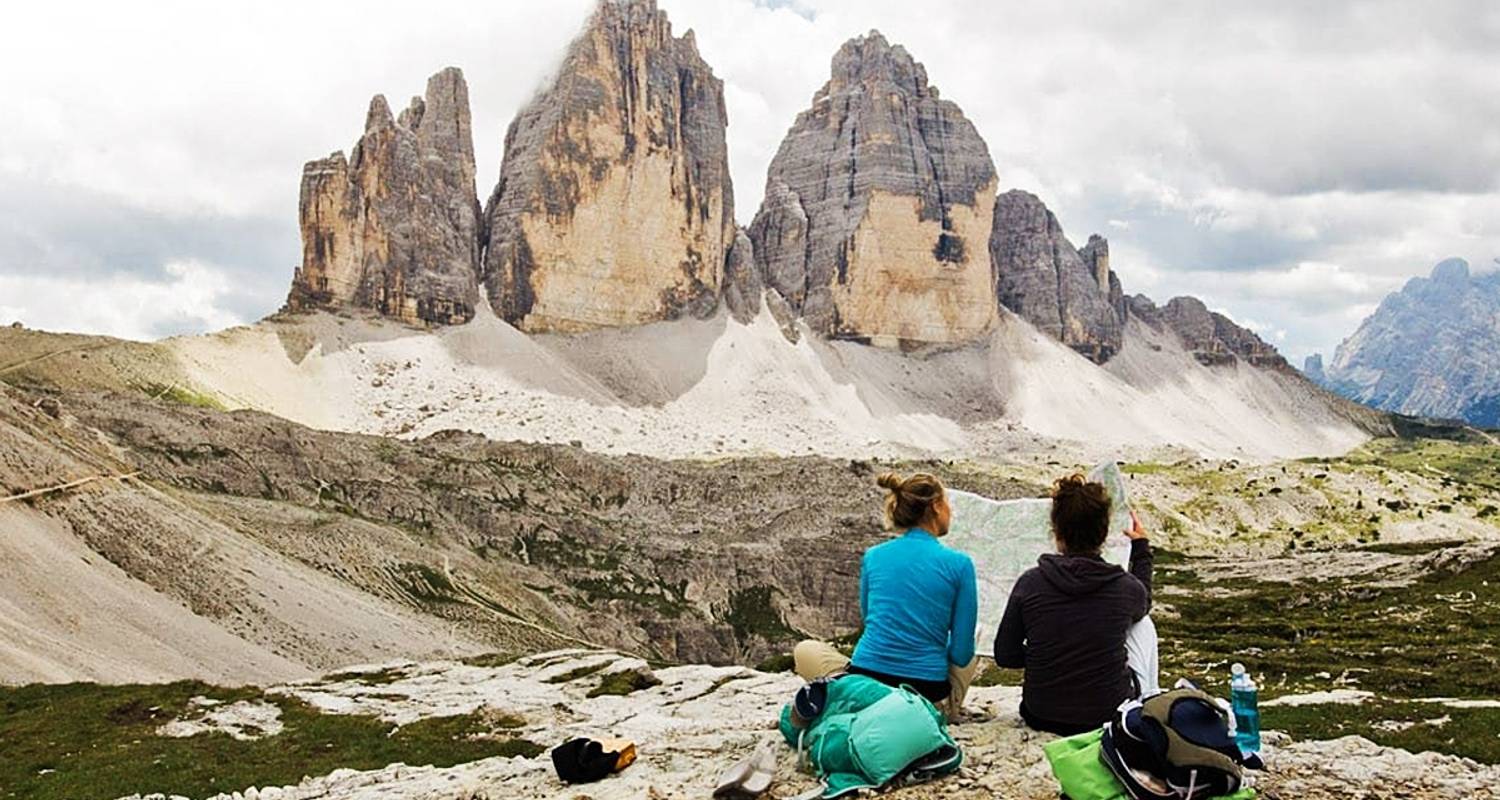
(1083, 775)
(870, 735)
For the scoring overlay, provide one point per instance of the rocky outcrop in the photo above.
(1069, 294)
(614, 205)
(692, 721)
(743, 288)
(395, 227)
(1212, 338)
(878, 207)
(1431, 349)
(1312, 367)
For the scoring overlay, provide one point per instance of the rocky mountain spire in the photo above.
(395, 228)
(614, 204)
(1069, 294)
(878, 207)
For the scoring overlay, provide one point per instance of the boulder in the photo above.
(878, 207)
(1069, 294)
(614, 205)
(395, 227)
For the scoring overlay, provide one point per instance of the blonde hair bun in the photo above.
(910, 498)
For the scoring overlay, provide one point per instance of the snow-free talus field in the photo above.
(717, 387)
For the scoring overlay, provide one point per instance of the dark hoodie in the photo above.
(1065, 624)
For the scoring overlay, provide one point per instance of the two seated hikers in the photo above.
(1078, 624)
(919, 602)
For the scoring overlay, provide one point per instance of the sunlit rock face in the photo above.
(614, 205)
(395, 227)
(879, 206)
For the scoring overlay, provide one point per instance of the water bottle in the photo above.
(1242, 698)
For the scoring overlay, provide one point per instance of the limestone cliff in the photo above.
(614, 205)
(1067, 293)
(878, 208)
(395, 227)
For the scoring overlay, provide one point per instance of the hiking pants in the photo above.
(813, 659)
(1141, 656)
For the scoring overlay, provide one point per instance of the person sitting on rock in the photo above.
(1076, 623)
(919, 602)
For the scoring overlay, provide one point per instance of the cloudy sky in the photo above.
(1289, 162)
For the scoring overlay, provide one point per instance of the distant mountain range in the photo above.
(1431, 349)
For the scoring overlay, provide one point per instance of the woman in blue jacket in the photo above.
(918, 600)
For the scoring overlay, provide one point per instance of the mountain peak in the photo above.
(1428, 350)
(873, 58)
(1451, 270)
(879, 206)
(614, 205)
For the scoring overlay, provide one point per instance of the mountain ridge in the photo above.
(1427, 350)
(899, 248)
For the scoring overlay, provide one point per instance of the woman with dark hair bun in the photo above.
(1070, 619)
(918, 599)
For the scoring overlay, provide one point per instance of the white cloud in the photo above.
(129, 307)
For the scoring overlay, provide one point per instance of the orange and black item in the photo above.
(587, 760)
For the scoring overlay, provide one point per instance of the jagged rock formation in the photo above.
(1312, 367)
(1069, 294)
(878, 207)
(395, 228)
(1213, 338)
(743, 288)
(1429, 349)
(614, 205)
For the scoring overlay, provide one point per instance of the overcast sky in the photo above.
(1288, 162)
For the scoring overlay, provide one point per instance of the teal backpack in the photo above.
(870, 735)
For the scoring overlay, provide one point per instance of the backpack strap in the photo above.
(1180, 751)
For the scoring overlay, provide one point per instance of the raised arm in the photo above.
(964, 618)
(1140, 562)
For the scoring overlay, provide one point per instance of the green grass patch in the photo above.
(1468, 732)
(752, 613)
(1438, 637)
(382, 677)
(181, 396)
(77, 741)
(579, 672)
(998, 676)
(625, 682)
(1410, 548)
(781, 662)
(1471, 464)
(1145, 468)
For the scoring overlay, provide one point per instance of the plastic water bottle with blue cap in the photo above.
(1242, 698)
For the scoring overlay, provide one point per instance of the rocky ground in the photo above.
(244, 548)
(699, 720)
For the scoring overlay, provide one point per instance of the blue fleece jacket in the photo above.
(920, 603)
